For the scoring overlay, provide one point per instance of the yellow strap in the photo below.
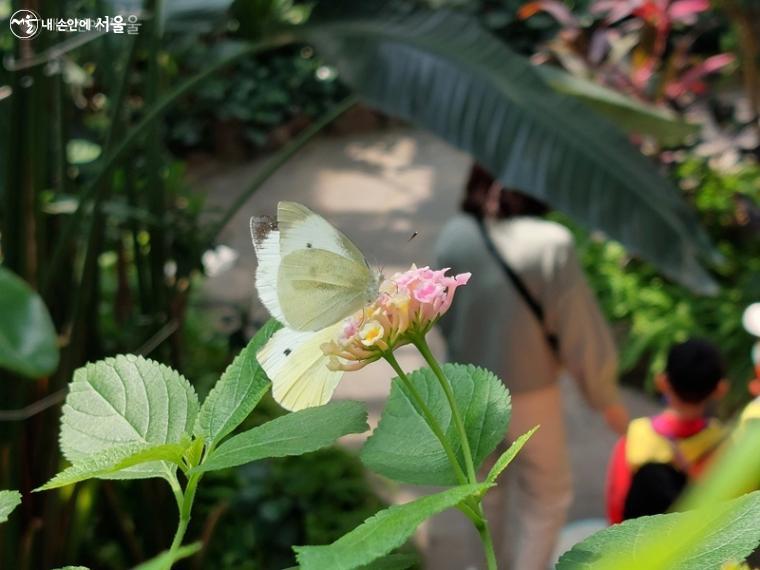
(645, 445)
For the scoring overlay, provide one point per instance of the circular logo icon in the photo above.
(25, 24)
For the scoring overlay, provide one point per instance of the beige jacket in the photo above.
(490, 325)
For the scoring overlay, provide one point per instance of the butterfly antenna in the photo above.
(414, 235)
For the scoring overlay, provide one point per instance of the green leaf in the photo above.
(382, 532)
(113, 459)
(627, 113)
(28, 342)
(705, 538)
(292, 434)
(506, 458)
(165, 560)
(404, 448)
(237, 392)
(126, 400)
(390, 562)
(9, 500)
(444, 72)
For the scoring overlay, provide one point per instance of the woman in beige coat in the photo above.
(528, 315)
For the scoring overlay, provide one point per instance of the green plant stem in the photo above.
(482, 525)
(469, 508)
(421, 344)
(185, 510)
(429, 417)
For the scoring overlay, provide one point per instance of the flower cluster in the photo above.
(409, 304)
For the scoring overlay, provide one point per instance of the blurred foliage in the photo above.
(657, 313)
(266, 507)
(259, 103)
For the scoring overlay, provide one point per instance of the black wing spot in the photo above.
(287, 352)
(308, 245)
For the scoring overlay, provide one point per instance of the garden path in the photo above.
(380, 187)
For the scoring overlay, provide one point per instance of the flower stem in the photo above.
(428, 415)
(485, 538)
(481, 524)
(422, 346)
(185, 509)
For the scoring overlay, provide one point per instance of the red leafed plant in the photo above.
(632, 46)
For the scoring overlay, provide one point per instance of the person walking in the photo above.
(528, 315)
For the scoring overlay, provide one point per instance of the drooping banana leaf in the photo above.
(627, 113)
(444, 72)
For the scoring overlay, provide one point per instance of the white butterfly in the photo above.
(310, 277)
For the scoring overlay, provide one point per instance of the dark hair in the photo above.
(511, 202)
(694, 369)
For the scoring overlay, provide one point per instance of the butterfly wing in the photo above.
(300, 228)
(322, 277)
(266, 244)
(297, 367)
(316, 288)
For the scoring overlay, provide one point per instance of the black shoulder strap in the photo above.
(534, 306)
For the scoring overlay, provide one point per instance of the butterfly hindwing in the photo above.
(297, 367)
(315, 287)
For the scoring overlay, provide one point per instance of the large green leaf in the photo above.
(113, 459)
(122, 400)
(237, 392)
(627, 113)
(382, 532)
(404, 448)
(28, 342)
(727, 532)
(292, 434)
(442, 71)
(9, 500)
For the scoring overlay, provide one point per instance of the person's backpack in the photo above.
(654, 489)
(662, 467)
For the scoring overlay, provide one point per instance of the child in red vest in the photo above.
(658, 456)
(751, 321)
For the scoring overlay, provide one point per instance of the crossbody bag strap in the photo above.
(535, 307)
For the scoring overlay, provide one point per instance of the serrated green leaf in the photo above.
(295, 433)
(123, 400)
(382, 532)
(237, 392)
(9, 500)
(114, 459)
(506, 458)
(165, 560)
(28, 341)
(404, 448)
(704, 538)
(390, 562)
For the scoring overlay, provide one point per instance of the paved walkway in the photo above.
(380, 188)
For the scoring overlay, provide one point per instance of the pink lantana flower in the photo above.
(409, 304)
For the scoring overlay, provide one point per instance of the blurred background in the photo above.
(131, 162)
